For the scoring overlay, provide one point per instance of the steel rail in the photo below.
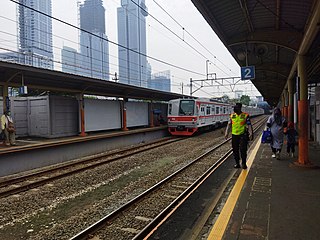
(158, 220)
(123, 153)
(92, 229)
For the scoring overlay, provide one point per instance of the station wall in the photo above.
(64, 116)
(137, 114)
(19, 108)
(1, 104)
(58, 116)
(45, 116)
(102, 114)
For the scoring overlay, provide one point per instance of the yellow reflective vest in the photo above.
(238, 123)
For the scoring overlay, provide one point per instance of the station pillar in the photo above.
(290, 100)
(151, 115)
(285, 104)
(303, 158)
(82, 123)
(124, 116)
(5, 97)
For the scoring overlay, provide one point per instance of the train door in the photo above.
(218, 114)
(202, 118)
(224, 116)
(208, 114)
(213, 114)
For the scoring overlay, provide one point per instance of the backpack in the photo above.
(10, 126)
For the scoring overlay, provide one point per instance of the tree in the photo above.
(245, 100)
(225, 98)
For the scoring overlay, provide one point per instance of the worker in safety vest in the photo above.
(242, 132)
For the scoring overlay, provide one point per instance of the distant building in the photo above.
(161, 81)
(35, 33)
(10, 57)
(238, 94)
(132, 35)
(259, 98)
(70, 59)
(148, 73)
(94, 48)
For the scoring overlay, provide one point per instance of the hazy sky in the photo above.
(161, 43)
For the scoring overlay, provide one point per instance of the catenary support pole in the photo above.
(151, 115)
(82, 123)
(124, 116)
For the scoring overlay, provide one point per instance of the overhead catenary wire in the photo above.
(116, 44)
(194, 38)
(205, 57)
(112, 42)
(79, 68)
(82, 69)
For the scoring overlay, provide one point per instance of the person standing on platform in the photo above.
(291, 139)
(276, 122)
(8, 129)
(242, 132)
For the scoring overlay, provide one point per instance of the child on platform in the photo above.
(291, 139)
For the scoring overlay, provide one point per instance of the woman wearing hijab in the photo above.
(276, 123)
(7, 128)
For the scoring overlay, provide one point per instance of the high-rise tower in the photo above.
(94, 47)
(132, 35)
(35, 33)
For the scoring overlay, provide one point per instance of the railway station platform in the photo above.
(272, 199)
(32, 153)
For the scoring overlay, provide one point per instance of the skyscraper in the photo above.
(161, 81)
(35, 33)
(132, 35)
(94, 47)
(70, 60)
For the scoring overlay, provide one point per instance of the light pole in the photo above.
(207, 63)
(182, 88)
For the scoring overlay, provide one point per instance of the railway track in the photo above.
(137, 217)
(23, 183)
(19, 184)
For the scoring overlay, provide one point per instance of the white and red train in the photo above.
(187, 116)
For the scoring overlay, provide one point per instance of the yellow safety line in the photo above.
(221, 224)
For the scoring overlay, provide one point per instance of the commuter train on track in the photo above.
(187, 116)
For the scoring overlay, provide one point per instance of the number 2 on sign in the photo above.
(247, 73)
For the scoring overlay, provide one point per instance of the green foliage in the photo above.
(245, 100)
(225, 98)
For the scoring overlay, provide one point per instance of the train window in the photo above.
(208, 110)
(224, 109)
(217, 110)
(186, 107)
(170, 109)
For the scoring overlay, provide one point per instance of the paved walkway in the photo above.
(279, 200)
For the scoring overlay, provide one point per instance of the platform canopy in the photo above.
(268, 34)
(16, 75)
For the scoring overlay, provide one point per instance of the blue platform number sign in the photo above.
(247, 73)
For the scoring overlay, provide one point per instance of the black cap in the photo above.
(238, 105)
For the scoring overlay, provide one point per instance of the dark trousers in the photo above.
(275, 150)
(290, 146)
(240, 144)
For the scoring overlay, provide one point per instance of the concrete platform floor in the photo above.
(279, 200)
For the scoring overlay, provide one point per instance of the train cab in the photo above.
(182, 117)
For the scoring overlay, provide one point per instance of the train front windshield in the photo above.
(186, 108)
